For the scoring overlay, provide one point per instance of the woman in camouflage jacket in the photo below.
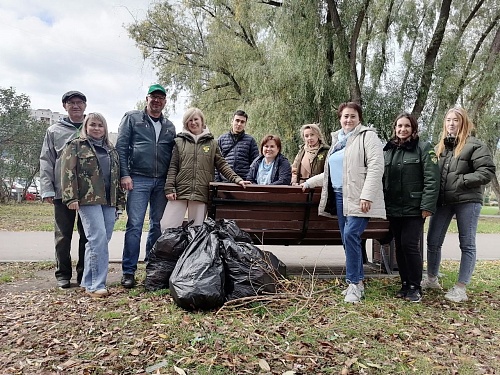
(90, 181)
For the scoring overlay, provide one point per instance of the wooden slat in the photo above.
(277, 214)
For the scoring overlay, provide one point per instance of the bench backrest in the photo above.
(280, 215)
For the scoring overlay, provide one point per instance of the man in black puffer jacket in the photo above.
(238, 148)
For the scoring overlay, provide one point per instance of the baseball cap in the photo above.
(156, 87)
(72, 94)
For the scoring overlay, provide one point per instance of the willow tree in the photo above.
(292, 62)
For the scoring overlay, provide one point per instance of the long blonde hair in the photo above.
(96, 116)
(466, 128)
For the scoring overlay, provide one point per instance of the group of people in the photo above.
(405, 181)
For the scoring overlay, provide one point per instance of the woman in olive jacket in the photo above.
(310, 159)
(411, 185)
(194, 159)
(466, 166)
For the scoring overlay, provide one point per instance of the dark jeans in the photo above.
(63, 225)
(407, 232)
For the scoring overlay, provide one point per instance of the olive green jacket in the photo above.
(193, 165)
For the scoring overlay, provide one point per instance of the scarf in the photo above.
(341, 140)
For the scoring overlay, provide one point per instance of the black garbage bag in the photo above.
(163, 257)
(234, 231)
(197, 281)
(249, 271)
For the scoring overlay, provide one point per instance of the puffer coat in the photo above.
(239, 151)
(463, 177)
(193, 166)
(411, 178)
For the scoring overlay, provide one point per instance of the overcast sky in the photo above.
(50, 47)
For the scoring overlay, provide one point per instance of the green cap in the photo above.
(156, 87)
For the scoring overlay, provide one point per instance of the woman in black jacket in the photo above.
(411, 184)
(466, 166)
(271, 167)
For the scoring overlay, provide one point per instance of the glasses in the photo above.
(157, 97)
(78, 103)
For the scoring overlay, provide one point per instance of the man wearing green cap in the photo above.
(145, 143)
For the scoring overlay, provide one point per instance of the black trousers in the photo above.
(407, 232)
(64, 222)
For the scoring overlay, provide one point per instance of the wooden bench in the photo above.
(285, 215)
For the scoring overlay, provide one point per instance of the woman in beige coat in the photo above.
(352, 189)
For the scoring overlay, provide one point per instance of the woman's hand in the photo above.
(365, 205)
(74, 206)
(244, 183)
(172, 196)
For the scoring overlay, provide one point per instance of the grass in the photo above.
(307, 329)
(37, 216)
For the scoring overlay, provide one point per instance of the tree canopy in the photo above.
(21, 139)
(288, 63)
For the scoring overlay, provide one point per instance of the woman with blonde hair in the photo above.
(465, 165)
(90, 181)
(310, 159)
(192, 167)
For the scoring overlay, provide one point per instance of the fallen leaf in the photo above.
(264, 365)
(179, 370)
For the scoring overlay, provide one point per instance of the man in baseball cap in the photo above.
(55, 140)
(143, 174)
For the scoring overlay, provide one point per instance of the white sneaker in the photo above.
(354, 293)
(344, 292)
(430, 283)
(456, 294)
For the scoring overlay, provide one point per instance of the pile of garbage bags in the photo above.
(204, 266)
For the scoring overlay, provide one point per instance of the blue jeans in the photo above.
(147, 190)
(467, 215)
(98, 222)
(351, 229)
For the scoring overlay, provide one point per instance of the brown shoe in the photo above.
(100, 293)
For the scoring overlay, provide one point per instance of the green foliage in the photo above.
(288, 63)
(21, 139)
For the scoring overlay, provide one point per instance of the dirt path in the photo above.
(45, 280)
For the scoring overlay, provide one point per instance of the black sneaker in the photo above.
(413, 294)
(128, 281)
(401, 293)
(63, 283)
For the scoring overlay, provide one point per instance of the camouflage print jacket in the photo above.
(81, 176)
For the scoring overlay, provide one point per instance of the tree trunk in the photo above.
(430, 59)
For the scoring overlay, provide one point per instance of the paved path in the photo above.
(39, 246)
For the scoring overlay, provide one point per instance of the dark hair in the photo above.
(268, 138)
(240, 112)
(352, 105)
(413, 123)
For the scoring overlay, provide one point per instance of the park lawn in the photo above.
(35, 216)
(305, 329)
